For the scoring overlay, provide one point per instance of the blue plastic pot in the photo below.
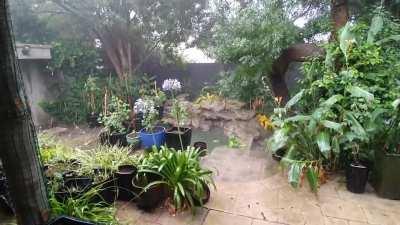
(157, 137)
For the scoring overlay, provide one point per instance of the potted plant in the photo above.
(150, 135)
(387, 158)
(185, 189)
(133, 140)
(125, 175)
(91, 94)
(114, 123)
(159, 98)
(178, 137)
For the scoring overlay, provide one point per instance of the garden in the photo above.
(259, 144)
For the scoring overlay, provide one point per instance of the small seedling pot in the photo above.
(173, 140)
(125, 176)
(133, 140)
(73, 188)
(202, 146)
(93, 120)
(150, 139)
(113, 139)
(279, 154)
(356, 177)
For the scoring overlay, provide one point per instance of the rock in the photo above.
(215, 106)
(233, 105)
(226, 115)
(244, 115)
(205, 125)
(209, 115)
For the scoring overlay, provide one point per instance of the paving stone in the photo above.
(221, 201)
(335, 221)
(221, 218)
(262, 222)
(184, 218)
(343, 209)
(379, 217)
(357, 223)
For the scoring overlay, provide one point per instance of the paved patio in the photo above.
(251, 190)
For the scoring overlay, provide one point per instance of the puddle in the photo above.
(214, 138)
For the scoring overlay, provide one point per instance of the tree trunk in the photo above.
(339, 14)
(18, 142)
(296, 53)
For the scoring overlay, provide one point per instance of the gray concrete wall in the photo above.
(194, 76)
(38, 82)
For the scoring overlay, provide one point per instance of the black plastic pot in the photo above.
(279, 154)
(202, 146)
(206, 197)
(65, 220)
(173, 141)
(93, 120)
(73, 188)
(385, 177)
(160, 110)
(138, 122)
(356, 177)
(125, 176)
(107, 193)
(113, 139)
(153, 197)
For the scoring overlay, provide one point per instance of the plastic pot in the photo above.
(279, 154)
(155, 138)
(153, 197)
(107, 193)
(206, 197)
(125, 176)
(113, 139)
(173, 141)
(133, 140)
(202, 146)
(65, 220)
(356, 177)
(93, 120)
(385, 178)
(73, 188)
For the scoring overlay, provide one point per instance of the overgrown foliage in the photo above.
(334, 118)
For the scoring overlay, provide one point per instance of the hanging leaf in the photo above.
(332, 125)
(376, 27)
(335, 145)
(277, 141)
(358, 130)
(294, 174)
(293, 101)
(332, 100)
(388, 39)
(298, 118)
(360, 93)
(323, 142)
(329, 60)
(346, 39)
(396, 103)
(312, 177)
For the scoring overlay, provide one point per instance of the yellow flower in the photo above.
(265, 122)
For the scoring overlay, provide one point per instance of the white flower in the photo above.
(171, 85)
(144, 106)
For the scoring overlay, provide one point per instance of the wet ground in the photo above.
(253, 190)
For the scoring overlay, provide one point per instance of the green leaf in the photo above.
(332, 125)
(277, 141)
(396, 103)
(388, 39)
(332, 100)
(360, 93)
(312, 178)
(294, 174)
(358, 130)
(293, 101)
(376, 27)
(346, 39)
(323, 142)
(298, 118)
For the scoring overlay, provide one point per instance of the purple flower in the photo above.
(171, 85)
